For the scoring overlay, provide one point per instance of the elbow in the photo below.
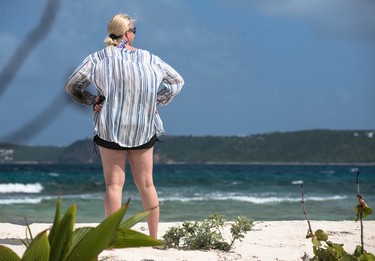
(181, 81)
(180, 84)
(69, 88)
(73, 92)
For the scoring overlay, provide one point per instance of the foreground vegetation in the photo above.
(310, 146)
(63, 243)
(326, 250)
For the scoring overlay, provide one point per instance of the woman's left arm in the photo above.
(172, 82)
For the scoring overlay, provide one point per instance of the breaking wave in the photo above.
(20, 188)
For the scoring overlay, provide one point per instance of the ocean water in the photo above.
(190, 192)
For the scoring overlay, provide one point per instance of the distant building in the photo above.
(6, 155)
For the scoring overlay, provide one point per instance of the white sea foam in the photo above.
(267, 200)
(89, 196)
(20, 188)
(297, 182)
(327, 172)
(250, 199)
(326, 198)
(182, 199)
(11, 201)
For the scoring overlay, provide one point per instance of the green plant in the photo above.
(325, 250)
(63, 243)
(206, 234)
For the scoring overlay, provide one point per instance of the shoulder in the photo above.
(144, 52)
(102, 54)
(153, 58)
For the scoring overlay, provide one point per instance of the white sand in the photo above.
(270, 240)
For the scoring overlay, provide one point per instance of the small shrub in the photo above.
(206, 234)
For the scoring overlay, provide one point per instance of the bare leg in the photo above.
(114, 175)
(141, 162)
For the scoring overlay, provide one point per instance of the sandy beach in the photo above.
(268, 240)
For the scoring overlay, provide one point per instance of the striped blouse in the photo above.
(130, 80)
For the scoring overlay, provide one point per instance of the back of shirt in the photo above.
(129, 79)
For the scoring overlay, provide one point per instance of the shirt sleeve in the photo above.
(78, 82)
(172, 84)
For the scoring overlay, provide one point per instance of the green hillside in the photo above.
(10, 153)
(301, 146)
(310, 146)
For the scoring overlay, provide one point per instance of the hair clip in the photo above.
(113, 37)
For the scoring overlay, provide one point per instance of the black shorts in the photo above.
(114, 146)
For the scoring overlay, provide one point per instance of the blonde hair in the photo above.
(117, 27)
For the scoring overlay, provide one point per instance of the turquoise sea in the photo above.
(190, 192)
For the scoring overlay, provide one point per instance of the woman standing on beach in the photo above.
(126, 121)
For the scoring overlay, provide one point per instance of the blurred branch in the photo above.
(28, 45)
(39, 122)
(310, 232)
(360, 206)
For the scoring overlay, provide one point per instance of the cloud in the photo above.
(352, 19)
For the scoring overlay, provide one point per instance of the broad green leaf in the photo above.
(8, 254)
(126, 237)
(316, 241)
(53, 237)
(347, 257)
(367, 257)
(367, 211)
(339, 249)
(80, 233)
(321, 235)
(38, 249)
(358, 251)
(98, 239)
(56, 222)
(63, 237)
(129, 223)
(326, 256)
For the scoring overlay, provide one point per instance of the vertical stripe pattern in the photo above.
(130, 80)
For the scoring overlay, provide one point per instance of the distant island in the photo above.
(298, 147)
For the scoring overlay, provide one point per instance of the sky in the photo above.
(250, 66)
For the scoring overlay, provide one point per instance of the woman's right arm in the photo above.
(78, 82)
